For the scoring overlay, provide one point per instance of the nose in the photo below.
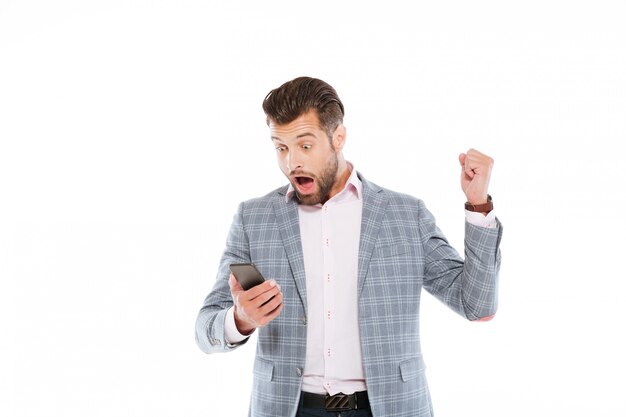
(294, 162)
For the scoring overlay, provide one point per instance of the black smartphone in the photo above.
(247, 275)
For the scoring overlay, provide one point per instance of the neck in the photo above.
(343, 173)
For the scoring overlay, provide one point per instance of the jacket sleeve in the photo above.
(470, 286)
(212, 316)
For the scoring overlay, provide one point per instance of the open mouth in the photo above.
(305, 185)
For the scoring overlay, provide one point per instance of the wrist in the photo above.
(481, 207)
(241, 325)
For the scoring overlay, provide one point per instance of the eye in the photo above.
(280, 149)
(307, 147)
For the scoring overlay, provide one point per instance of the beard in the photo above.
(324, 183)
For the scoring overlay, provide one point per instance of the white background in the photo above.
(130, 130)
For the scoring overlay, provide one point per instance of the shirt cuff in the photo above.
(231, 334)
(479, 219)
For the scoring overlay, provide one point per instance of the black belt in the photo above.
(337, 402)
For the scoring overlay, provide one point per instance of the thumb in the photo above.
(235, 286)
(467, 171)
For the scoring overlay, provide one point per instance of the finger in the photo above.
(272, 315)
(254, 292)
(475, 153)
(478, 162)
(271, 304)
(266, 296)
(276, 312)
(234, 285)
(462, 159)
(467, 166)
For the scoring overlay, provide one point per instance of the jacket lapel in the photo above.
(374, 205)
(289, 226)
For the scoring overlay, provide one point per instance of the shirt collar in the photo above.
(353, 187)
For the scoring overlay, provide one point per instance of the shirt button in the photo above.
(299, 371)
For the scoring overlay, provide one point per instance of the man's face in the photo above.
(306, 157)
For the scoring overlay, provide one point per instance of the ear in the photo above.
(339, 137)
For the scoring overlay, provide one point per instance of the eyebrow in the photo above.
(297, 137)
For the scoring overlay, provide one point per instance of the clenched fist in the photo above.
(475, 173)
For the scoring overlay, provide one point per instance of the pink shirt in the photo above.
(330, 243)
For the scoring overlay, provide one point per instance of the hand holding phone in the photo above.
(257, 301)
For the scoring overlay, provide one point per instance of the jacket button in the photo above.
(304, 320)
(299, 371)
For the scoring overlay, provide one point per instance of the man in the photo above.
(345, 261)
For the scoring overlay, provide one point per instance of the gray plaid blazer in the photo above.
(401, 250)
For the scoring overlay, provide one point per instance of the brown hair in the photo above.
(294, 98)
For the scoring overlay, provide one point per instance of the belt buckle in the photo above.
(339, 402)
